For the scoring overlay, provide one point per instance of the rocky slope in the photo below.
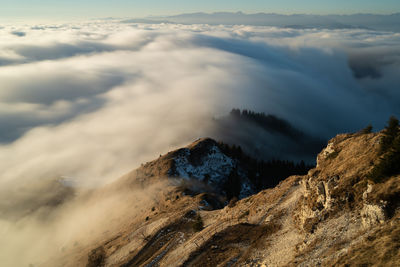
(333, 216)
(199, 167)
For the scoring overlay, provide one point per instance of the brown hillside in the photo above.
(333, 216)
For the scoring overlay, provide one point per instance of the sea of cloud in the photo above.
(94, 100)
(87, 102)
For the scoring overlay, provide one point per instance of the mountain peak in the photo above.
(220, 168)
(201, 161)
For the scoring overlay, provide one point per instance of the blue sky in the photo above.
(141, 8)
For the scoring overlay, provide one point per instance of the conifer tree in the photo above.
(389, 163)
(390, 133)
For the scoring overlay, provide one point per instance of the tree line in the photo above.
(263, 174)
(389, 161)
(268, 122)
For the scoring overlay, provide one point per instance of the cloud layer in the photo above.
(92, 101)
(89, 102)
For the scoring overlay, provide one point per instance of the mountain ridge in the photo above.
(385, 22)
(332, 216)
(219, 167)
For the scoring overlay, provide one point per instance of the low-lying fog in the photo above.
(88, 102)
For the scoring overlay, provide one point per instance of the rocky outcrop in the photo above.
(372, 214)
(333, 186)
(340, 206)
(329, 150)
(316, 200)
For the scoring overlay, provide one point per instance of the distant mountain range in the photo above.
(364, 21)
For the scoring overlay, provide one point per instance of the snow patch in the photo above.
(214, 166)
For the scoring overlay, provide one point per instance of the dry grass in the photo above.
(388, 192)
(381, 248)
(231, 245)
(352, 157)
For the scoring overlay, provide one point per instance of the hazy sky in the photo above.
(141, 8)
